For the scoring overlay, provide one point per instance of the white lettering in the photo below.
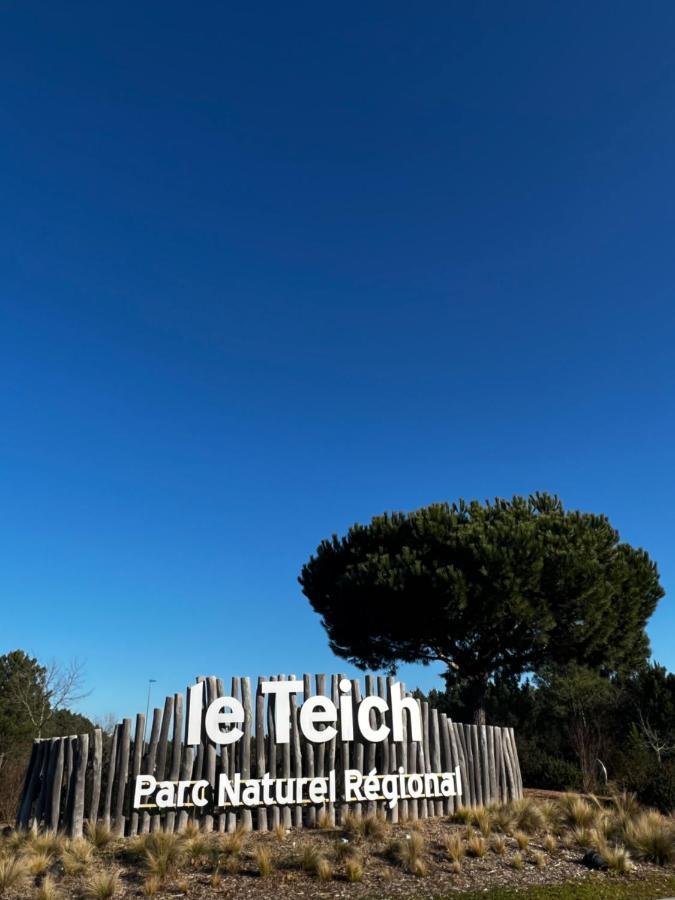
(282, 690)
(318, 709)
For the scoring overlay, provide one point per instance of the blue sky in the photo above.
(269, 270)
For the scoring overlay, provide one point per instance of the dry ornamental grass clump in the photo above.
(232, 865)
(264, 862)
(626, 806)
(151, 886)
(39, 861)
(197, 849)
(617, 859)
(539, 859)
(77, 856)
(550, 844)
(323, 870)
(102, 886)
(345, 849)
(483, 821)
(499, 844)
(651, 837)
(455, 847)
(527, 815)
(324, 822)
(163, 854)
(522, 840)
(575, 812)
(233, 842)
(47, 890)
(582, 837)
(45, 842)
(476, 846)
(517, 861)
(410, 854)
(280, 832)
(354, 869)
(13, 871)
(99, 834)
(309, 859)
(504, 819)
(463, 815)
(373, 827)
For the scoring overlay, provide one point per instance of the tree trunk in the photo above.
(478, 693)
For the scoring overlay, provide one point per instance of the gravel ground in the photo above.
(382, 877)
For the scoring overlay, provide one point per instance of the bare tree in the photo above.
(657, 742)
(60, 686)
(106, 722)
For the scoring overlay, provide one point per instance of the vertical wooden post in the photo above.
(458, 754)
(413, 755)
(272, 751)
(123, 773)
(210, 755)
(470, 764)
(260, 768)
(150, 760)
(320, 681)
(391, 812)
(446, 759)
(82, 755)
(308, 749)
(494, 784)
(23, 815)
(499, 762)
(297, 752)
(198, 768)
(112, 763)
(234, 756)
(57, 782)
(41, 807)
(481, 734)
(475, 745)
(176, 753)
(246, 817)
(70, 765)
(516, 763)
(436, 766)
(96, 772)
(427, 806)
(332, 749)
(185, 775)
(371, 749)
(510, 778)
(163, 743)
(137, 757)
(358, 752)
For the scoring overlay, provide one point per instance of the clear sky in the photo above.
(270, 269)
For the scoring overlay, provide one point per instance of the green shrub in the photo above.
(658, 787)
(544, 770)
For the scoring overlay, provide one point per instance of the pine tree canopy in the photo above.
(503, 587)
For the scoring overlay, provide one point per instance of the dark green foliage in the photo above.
(566, 719)
(490, 589)
(546, 771)
(656, 786)
(17, 669)
(28, 710)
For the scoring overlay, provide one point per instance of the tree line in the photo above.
(35, 701)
